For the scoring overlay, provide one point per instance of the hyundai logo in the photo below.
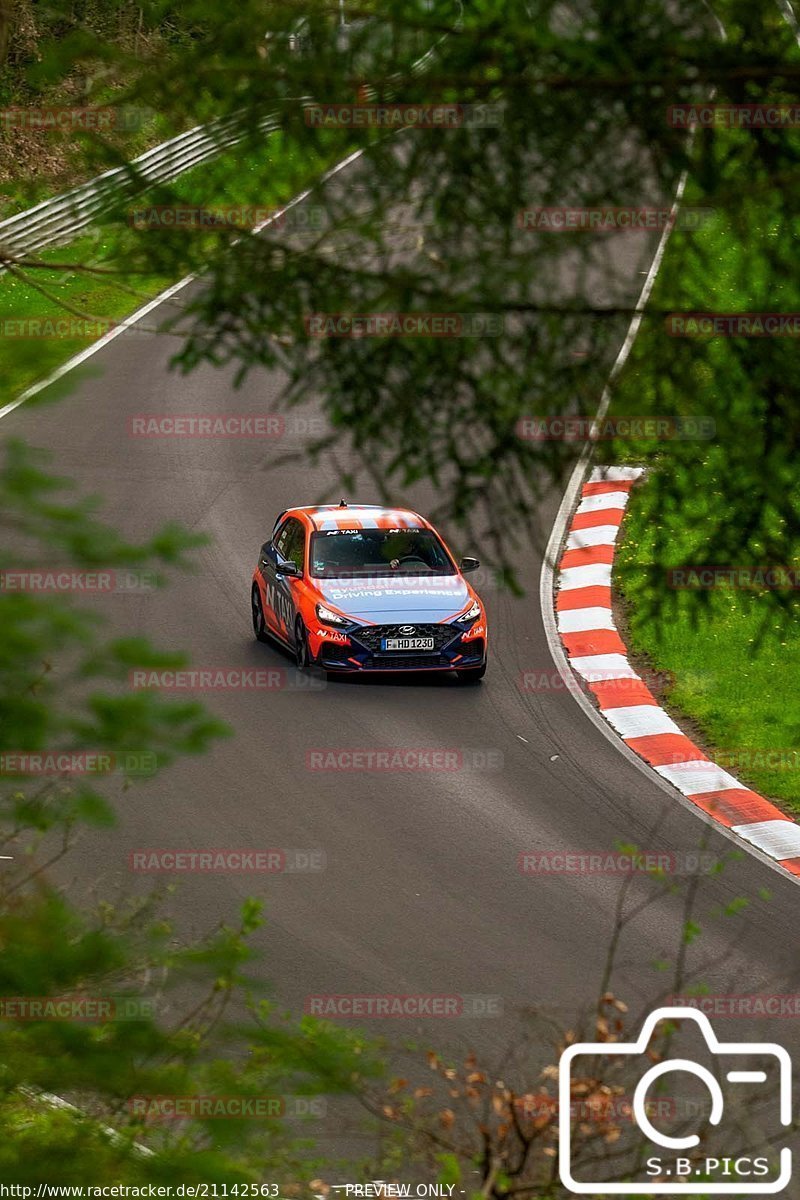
(407, 628)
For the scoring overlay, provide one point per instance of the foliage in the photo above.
(165, 1018)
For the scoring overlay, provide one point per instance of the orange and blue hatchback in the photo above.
(362, 588)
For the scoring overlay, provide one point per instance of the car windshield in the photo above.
(343, 553)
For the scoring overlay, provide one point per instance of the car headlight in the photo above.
(328, 617)
(471, 615)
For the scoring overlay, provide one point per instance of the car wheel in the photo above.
(301, 650)
(259, 624)
(471, 674)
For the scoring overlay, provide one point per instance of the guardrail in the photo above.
(63, 216)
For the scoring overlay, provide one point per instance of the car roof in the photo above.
(361, 516)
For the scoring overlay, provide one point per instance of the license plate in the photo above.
(409, 643)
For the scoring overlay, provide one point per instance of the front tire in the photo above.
(472, 674)
(301, 651)
(257, 609)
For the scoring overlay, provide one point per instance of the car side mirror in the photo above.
(468, 564)
(288, 568)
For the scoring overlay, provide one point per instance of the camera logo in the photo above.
(670, 1172)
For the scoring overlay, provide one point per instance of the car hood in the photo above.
(386, 601)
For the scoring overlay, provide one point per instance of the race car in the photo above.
(362, 588)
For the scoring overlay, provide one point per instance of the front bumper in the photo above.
(454, 648)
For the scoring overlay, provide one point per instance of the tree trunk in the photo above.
(6, 22)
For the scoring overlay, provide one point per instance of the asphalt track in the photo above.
(422, 892)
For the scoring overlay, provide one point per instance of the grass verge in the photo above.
(100, 275)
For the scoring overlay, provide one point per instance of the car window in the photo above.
(291, 541)
(338, 553)
(282, 537)
(294, 548)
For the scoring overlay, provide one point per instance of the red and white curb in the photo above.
(597, 654)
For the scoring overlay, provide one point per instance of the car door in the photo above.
(293, 550)
(278, 606)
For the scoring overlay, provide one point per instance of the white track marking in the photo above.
(697, 777)
(596, 535)
(604, 500)
(640, 720)
(598, 668)
(579, 620)
(779, 839)
(593, 575)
